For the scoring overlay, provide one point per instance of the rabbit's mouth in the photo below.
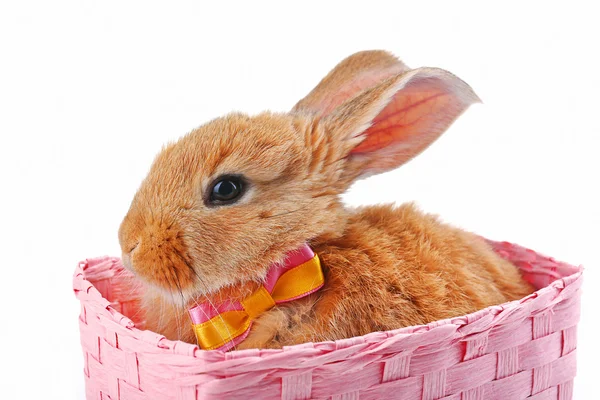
(159, 257)
(126, 258)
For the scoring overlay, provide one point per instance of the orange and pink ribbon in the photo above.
(225, 325)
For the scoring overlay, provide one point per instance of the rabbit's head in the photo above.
(233, 196)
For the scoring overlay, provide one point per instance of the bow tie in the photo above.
(225, 325)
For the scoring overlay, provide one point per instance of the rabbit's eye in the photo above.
(226, 190)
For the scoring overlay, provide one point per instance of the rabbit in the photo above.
(237, 194)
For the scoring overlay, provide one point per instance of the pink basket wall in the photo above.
(518, 350)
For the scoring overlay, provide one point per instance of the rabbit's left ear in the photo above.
(352, 75)
(388, 124)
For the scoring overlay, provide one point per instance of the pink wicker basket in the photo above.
(523, 349)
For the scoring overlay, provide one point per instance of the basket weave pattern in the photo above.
(518, 350)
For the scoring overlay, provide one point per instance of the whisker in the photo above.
(178, 283)
(173, 300)
(161, 215)
(149, 206)
(201, 282)
(284, 213)
(162, 315)
(310, 203)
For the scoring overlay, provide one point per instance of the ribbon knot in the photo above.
(258, 302)
(227, 324)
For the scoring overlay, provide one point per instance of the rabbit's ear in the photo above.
(386, 125)
(354, 74)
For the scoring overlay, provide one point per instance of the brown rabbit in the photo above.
(230, 198)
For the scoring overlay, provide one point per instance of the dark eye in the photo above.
(226, 190)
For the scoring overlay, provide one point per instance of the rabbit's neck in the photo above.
(223, 325)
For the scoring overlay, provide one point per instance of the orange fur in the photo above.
(384, 267)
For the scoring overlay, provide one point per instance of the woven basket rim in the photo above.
(446, 327)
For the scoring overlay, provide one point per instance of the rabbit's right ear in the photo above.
(354, 74)
(386, 125)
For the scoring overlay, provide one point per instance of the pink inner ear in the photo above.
(349, 90)
(414, 118)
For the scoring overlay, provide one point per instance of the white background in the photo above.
(89, 91)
